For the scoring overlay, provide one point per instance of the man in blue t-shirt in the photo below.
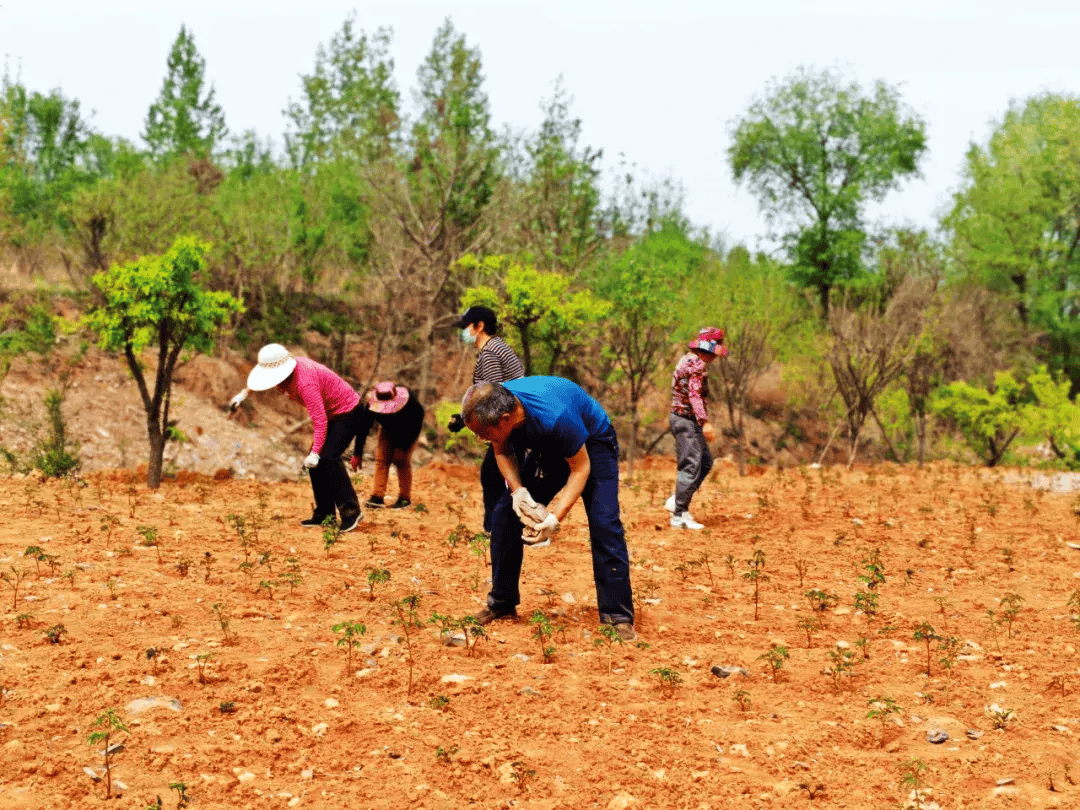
(572, 453)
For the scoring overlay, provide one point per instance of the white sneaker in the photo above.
(685, 520)
(669, 504)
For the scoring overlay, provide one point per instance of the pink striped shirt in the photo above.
(323, 393)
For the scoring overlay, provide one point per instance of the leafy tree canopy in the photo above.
(814, 150)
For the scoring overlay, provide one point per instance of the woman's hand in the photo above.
(355, 463)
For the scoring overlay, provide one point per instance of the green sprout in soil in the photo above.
(407, 618)
(330, 533)
(69, 575)
(268, 585)
(454, 539)
(200, 664)
(37, 554)
(874, 571)
(479, 548)
(181, 793)
(867, 604)
(731, 564)
(522, 775)
(439, 703)
(841, 662)
(208, 565)
(227, 707)
(775, 657)
(609, 637)
(821, 601)
(1010, 609)
(542, 632)
(757, 576)
(24, 621)
(1059, 680)
(881, 708)
(810, 625)
(444, 754)
(1073, 606)
(109, 726)
(350, 638)
(221, 613)
(149, 536)
(668, 678)
(14, 581)
(1000, 717)
(56, 633)
(926, 633)
(950, 652)
(742, 698)
(380, 575)
(911, 778)
(474, 632)
(183, 565)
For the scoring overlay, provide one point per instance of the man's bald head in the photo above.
(484, 404)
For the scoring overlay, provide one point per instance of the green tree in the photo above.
(988, 419)
(645, 286)
(561, 217)
(350, 101)
(158, 301)
(814, 150)
(551, 318)
(184, 118)
(1016, 221)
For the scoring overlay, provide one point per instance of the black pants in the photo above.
(330, 482)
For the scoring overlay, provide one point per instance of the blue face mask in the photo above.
(467, 336)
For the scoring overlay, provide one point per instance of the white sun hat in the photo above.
(275, 364)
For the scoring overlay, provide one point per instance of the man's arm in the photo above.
(580, 467)
(507, 461)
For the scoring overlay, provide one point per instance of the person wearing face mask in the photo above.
(496, 362)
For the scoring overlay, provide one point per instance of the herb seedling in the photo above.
(183, 565)
(376, 575)
(1000, 717)
(841, 661)
(911, 776)
(742, 698)
(950, 651)
(56, 633)
(757, 576)
(731, 563)
(444, 754)
(881, 708)
(811, 624)
(152, 654)
(208, 565)
(542, 632)
(775, 657)
(1058, 681)
(867, 604)
(1073, 606)
(1007, 558)
(224, 620)
(927, 634)
(268, 585)
(330, 533)
(24, 620)
(227, 707)
(200, 663)
(350, 639)
(439, 703)
(521, 775)
(669, 679)
(70, 577)
(1010, 609)
(875, 571)
(454, 538)
(149, 536)
(109, 725)
(821, 601)
(802, 568)
(405, 616)
(37, 554)
(609, 637)
(181, 793)
(14, 581)
(474, 631)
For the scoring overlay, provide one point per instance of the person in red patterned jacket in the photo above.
(690, 422)
(336, 415)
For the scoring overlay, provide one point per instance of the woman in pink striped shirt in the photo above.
(335, 411)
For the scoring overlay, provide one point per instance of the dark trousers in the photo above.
(492, 483)
(694, 459)
(611, 562)
(330, 482)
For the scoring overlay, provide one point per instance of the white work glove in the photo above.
(529, 511)
(541, 533)
(234, 403)
(312, 460)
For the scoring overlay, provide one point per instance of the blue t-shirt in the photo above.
(558, 413)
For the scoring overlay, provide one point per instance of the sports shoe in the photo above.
(685, 520)
(487, 616)
(626, 631)
(314, 520)
(401, 503)
(669, 504)
(349, 523)
(375, 502)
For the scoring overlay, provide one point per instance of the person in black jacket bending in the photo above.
(400, 417)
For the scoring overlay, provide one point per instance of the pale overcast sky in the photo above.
(658, 82)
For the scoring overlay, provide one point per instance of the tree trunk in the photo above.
(920, 436)
(740, 441)
(632, 443)
(157, 453)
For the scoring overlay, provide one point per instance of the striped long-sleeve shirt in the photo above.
(497, 363)
(323, 393)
